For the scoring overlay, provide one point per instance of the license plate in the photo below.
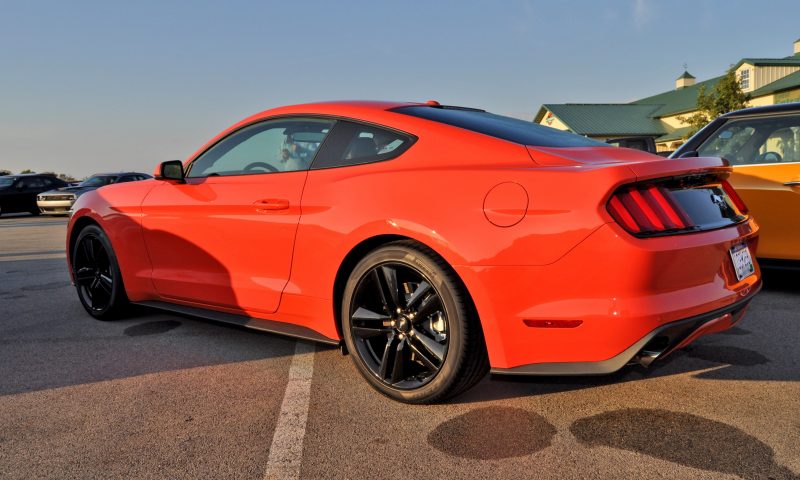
(742, 262)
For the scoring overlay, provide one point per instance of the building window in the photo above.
(744, 79)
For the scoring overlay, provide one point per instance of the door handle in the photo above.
(271, 204)
(793, 183)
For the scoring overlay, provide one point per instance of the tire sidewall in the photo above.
(117, 291)
(454, 309)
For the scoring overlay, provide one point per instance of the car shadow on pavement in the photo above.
(781, 280)
(48, 341)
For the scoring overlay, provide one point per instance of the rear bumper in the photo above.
(606, 294)
(655, 345)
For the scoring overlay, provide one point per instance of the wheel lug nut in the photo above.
(401, 336)
(399, 310)
(394, 323)
(411, 333)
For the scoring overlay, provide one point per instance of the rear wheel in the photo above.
(410, 327)
(97, 276)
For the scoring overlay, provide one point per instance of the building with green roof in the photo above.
(768, 81)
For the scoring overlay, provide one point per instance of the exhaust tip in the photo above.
(651, 351)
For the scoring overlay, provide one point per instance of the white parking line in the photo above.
(286, 452)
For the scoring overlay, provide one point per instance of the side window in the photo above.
(355, 144)
(781, 146)
(32, 182)
(282, 145)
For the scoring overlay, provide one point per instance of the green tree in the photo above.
(726, 96)
(5, 172)
(27, 171)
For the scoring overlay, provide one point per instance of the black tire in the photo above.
(413, 347)
(97, 276)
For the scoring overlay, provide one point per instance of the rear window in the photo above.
(506, 128)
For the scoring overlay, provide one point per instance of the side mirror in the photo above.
(170, 170)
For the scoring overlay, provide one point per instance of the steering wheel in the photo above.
(770, 157)
(266, 166)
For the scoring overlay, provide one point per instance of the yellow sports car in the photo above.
(763, 146)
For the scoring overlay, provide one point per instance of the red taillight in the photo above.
(677, 205)
(737, 200)
(647, 209)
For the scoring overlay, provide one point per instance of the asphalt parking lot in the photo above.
(164, 396)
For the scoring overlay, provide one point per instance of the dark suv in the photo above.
(18, 192)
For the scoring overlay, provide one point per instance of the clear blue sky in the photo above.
(111, 85)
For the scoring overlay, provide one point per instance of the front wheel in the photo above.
(410, 326)
(97, 276)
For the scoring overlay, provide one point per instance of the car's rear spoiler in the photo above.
(642, 164)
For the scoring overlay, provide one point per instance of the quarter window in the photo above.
(282, 145)
(355, 144)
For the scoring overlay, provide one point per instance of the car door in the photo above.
(225, 237)
(31, 186)
(13, 197)
(765, 154)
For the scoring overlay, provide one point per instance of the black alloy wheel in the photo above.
(96, 274)
(410, 327)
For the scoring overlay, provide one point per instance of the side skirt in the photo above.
(271, 326)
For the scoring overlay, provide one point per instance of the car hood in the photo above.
(76, 190)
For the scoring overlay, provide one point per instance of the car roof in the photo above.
(20, 175)
(117, 173)
(766, 110)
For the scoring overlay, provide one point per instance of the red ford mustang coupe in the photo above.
(434, 241)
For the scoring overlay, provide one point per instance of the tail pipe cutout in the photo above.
(675, 337)
(506, 204)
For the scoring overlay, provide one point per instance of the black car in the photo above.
(18, 192)
(59, 201)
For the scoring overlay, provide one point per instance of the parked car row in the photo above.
(59, 202)
(18, 192)
(37, 193)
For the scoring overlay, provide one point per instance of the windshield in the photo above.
(6, 181)
(98, 181)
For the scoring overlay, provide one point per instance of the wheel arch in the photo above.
(76, 229)
(362, 249)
